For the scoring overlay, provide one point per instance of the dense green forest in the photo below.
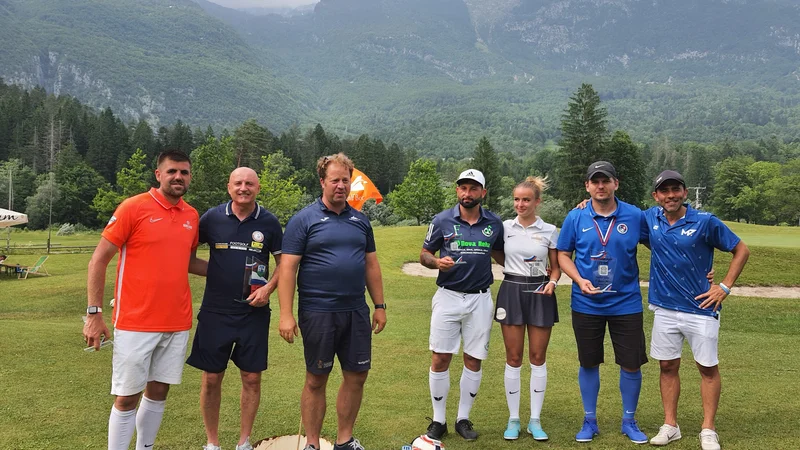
(85, 161)
(432, 75)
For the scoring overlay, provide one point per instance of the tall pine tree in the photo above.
(485, 160)
(583, 137)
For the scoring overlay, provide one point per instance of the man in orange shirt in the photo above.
(156, 235)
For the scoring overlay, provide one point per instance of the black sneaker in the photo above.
(436, 430)
(464, 428)
(352, 444)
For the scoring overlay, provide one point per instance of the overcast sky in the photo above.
(262, 3)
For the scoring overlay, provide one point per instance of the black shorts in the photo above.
(346, 334)
(242, 338)
(517, 304)
(627, 336)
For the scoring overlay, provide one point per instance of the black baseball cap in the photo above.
(604, 167)
(666, 176)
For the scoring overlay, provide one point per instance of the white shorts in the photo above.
(671, 327)
(140, 357)
(456, 315)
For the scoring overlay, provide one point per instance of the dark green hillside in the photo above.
(154, 59)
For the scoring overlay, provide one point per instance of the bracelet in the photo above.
(555, 283)
(726, 289)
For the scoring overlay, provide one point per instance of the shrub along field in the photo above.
(55, 395)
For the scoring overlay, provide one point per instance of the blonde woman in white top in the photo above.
(527, 300)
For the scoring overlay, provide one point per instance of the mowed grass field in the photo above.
(55, 395)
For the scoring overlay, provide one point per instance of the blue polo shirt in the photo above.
(230, 242)
(583, 232)
(470, 247)
(682, 255)
(332, 273)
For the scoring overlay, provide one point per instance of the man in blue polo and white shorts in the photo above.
(466, 237)
(686, 304)
(605, 290)
(233, 322)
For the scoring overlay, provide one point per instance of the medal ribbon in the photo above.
(604, 237)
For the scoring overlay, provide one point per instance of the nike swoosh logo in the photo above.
(512, 393)
(630, 412)
(597, 167)
(148, 446)
(538, 392)
(509, 237)
(438, 399)
(473, 395)
(152, 220)
(586, 229)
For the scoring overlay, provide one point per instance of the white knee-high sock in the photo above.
(512, 383)
(148, 421)
(121, 425)
(538, 386)
(470, 382)
(440, 386)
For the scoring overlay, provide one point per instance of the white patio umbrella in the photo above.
(9, 218)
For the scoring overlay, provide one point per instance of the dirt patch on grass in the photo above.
(417, 269)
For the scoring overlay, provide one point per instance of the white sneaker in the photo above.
(666, 434)
(210, 446)
(709, 439)
(246, 445)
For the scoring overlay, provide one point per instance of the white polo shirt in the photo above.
(526, 247)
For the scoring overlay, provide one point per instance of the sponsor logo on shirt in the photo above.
(622, 228)
(220, 246)
(187, 225)
(488, 232)
(324, 219)
(156, 219)
(354, 219)
(111, 220)
(258, 236)
(688, 232)
(258, 245)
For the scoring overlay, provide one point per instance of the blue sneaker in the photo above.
(588, 431)
(512, 430)
(535, 429)
(631, 429)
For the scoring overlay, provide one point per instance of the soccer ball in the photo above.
(425, 443)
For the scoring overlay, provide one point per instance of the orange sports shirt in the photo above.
(156, 240)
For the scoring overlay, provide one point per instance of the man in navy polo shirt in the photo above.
(329, 256)
(686, 304)
(605, 290)
(233, 321)
(466, 237)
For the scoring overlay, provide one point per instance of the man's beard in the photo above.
(469, 204)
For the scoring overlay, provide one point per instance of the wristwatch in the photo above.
(93, 310)
(380, 306)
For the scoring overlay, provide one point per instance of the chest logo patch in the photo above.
(688, 232)
(187, 225)
(622, 228)
(488, 232)
(258, 236)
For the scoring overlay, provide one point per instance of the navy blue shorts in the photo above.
(346, 334)
(241, 338)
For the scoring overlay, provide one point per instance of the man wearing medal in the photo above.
(603, 238)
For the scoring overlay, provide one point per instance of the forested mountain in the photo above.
(156, 60)
(434, 75)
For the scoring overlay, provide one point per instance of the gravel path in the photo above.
(417, 269)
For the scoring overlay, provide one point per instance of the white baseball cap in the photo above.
(472, 174)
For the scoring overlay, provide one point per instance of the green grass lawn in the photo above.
(54, 395)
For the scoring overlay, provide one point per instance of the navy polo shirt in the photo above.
(231, 242)
(470, 247)
(582, 232)
(332, 273)
(682, 255)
